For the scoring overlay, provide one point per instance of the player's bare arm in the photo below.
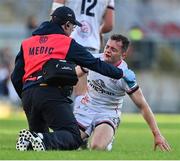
(57, 3)
(159, 141)
(108, 21)
(107, 24)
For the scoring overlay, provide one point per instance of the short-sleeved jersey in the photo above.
(106, 93)
(90, 14)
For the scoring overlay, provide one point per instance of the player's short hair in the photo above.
(123, 39)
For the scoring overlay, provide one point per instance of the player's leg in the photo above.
(104, 125)
(84, 118)
(102, 136)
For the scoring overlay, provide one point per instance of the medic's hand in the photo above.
(129, 77)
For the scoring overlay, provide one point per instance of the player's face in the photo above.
(113, 51)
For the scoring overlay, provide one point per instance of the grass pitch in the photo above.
(133, 141)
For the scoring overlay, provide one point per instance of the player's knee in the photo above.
(97, 146)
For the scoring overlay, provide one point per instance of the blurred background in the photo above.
(153, 26)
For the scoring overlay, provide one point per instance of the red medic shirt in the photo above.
(38, 49)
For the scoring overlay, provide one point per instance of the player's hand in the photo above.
(80, 71)
(161, 143)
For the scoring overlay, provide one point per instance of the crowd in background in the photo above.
(5, 70)
(7, 63)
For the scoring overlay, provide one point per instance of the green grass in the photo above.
(133, 141)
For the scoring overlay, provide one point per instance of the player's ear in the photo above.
(67, 25)
(124, 55)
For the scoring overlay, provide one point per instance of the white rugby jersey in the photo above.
(107, 93)
(90, 13)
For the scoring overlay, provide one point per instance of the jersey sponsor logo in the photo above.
(99, 86)
(113, 80)
(40, 50)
